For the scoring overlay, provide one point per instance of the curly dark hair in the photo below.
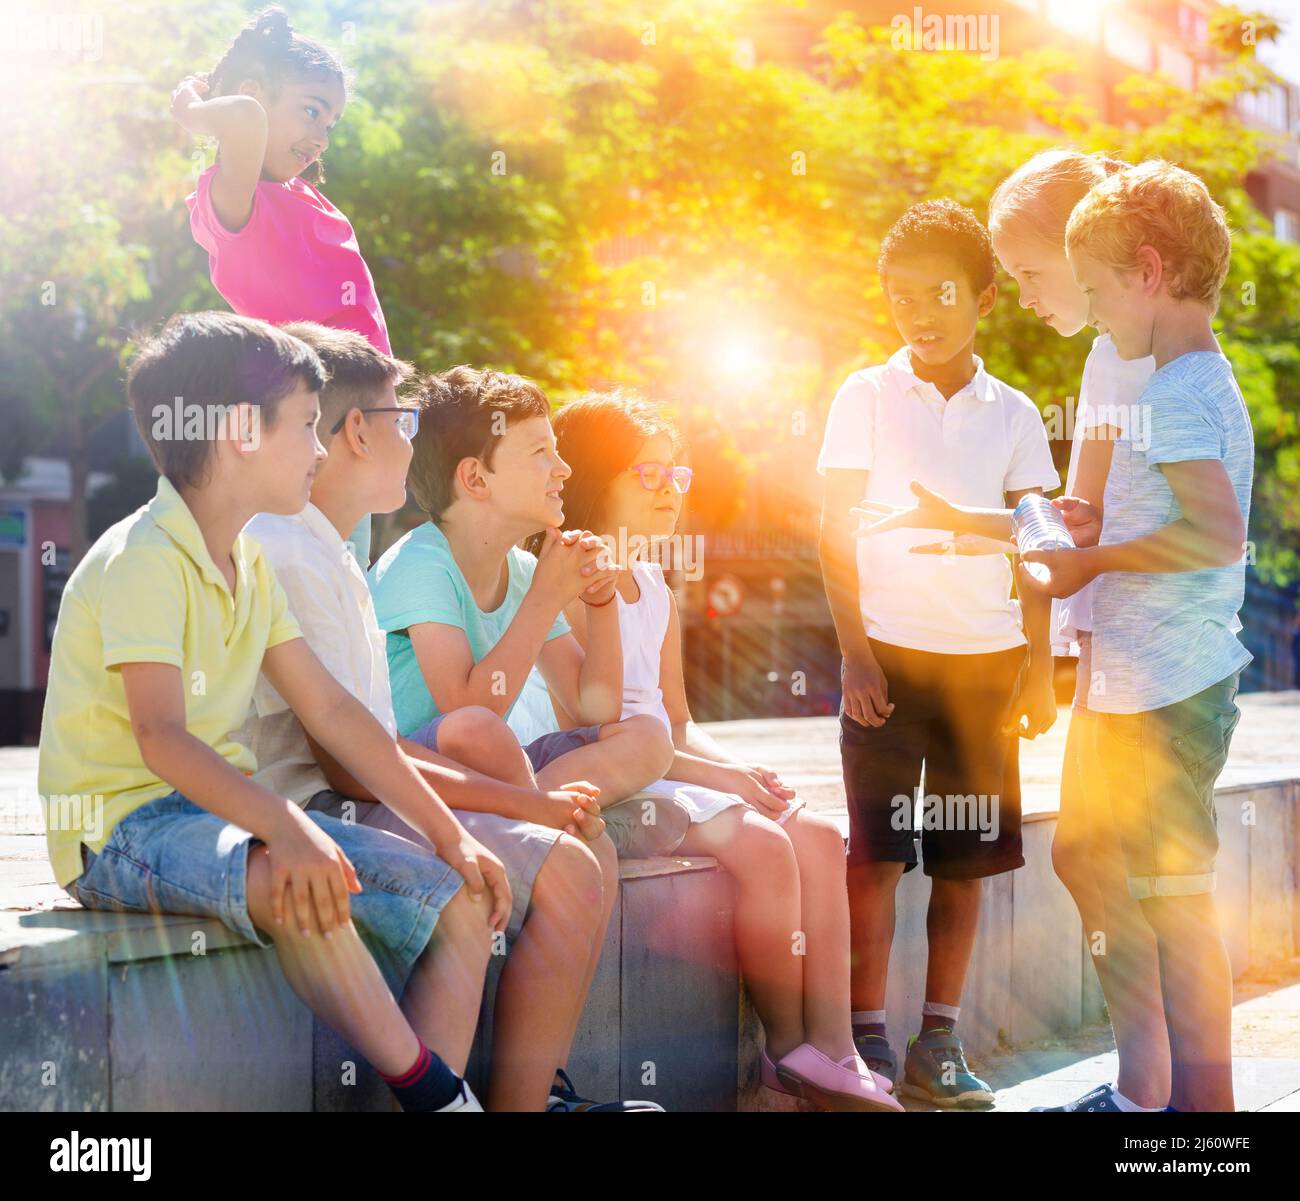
(269, 50)
(941, 227)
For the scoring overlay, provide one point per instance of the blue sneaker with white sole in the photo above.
(936, 1071)
(1099, 1100)
(564, 1098)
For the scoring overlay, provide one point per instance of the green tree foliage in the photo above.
(597, 193)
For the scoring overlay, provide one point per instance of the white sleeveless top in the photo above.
(643, 627)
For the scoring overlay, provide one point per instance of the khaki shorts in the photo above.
(1160, 767)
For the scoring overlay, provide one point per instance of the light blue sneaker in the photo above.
(935, 1070)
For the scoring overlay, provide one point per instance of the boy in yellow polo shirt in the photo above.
(149, 804)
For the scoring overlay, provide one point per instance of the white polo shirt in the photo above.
(985, 441)
(329, 598)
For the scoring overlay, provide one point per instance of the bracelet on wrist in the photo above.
(593, 605)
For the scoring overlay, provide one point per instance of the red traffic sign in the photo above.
(726, 595)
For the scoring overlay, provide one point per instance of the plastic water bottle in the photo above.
(1038, 525)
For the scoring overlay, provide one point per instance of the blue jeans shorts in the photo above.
(172, 856)
(541, 751)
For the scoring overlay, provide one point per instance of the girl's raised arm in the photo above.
(239, 125)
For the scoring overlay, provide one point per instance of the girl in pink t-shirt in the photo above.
(277, 248)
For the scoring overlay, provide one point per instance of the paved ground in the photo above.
(1266, 1034)
(1265, 1050)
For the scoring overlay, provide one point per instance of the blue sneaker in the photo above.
(878, 1055)
(1100, 1100)
(564, 1099)
(935, 1070)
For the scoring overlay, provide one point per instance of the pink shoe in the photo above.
(881, 1081)
(769, 1077)
(847, 1085)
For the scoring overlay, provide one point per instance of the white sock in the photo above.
(935, 1009)
(1131, 1106)
(867, 1017)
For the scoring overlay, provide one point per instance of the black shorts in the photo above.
(948, 714)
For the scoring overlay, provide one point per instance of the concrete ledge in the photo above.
(660, 1021)
(103, 1011)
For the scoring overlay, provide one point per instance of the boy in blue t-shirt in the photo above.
(1150, 247)
(468, 613)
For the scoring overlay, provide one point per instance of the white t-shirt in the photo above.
(1108, 395)
(984, 441)
(329, 598)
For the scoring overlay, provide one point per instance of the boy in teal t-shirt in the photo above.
(418, 581)
(468, 613)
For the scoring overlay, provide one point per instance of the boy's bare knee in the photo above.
(871, 877)
(257, 893)
(472, 728)
(572, 870)
(767, 850)
(818, 834)
(1070, 861)
(652, 741)
(465, 921)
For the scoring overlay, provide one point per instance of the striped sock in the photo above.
(426, 1086)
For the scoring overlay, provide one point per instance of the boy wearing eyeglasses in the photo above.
(551, 841)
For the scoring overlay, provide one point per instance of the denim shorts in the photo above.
(541, 751)
(641, 826)
(522, 846)
(1160, 767)
(172, 856)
